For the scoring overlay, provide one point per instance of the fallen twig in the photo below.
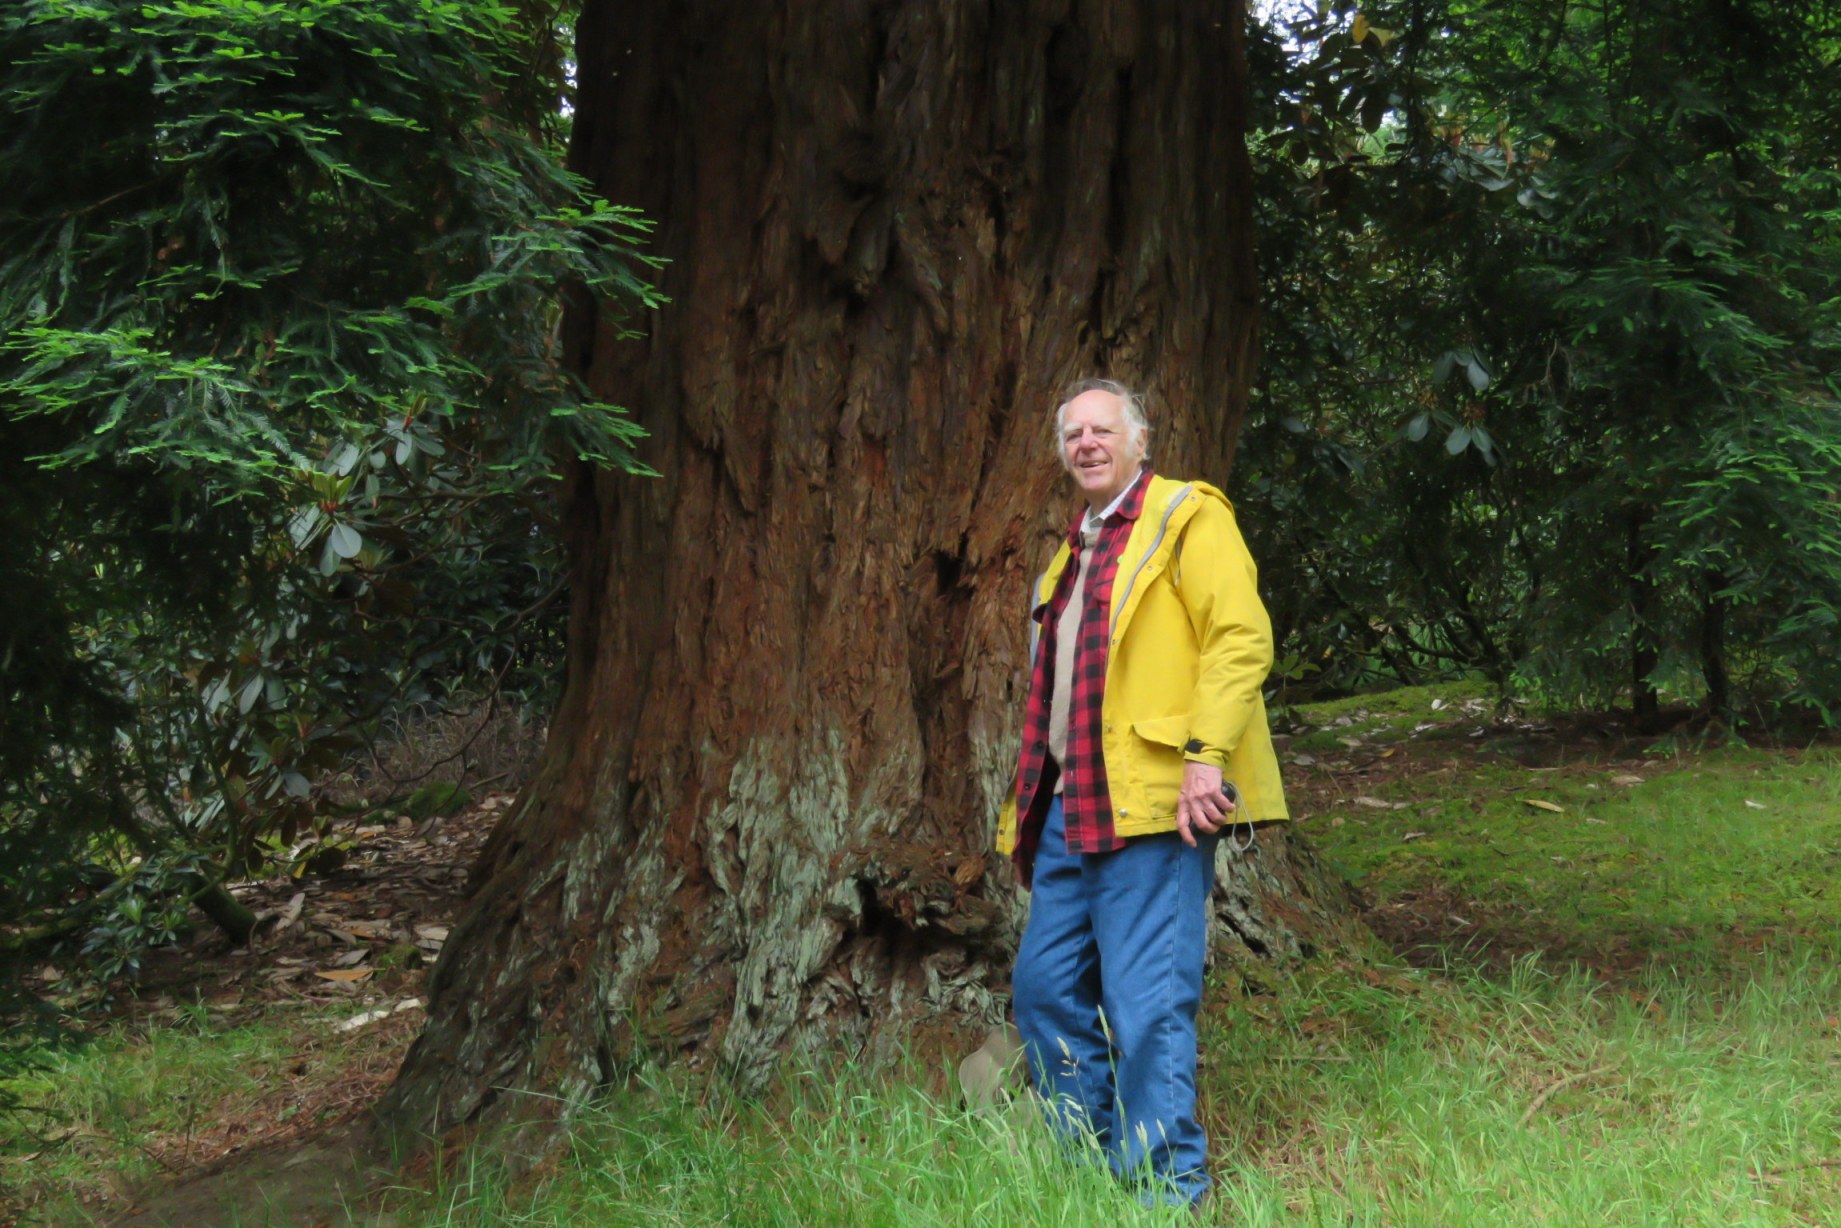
(1790, 1168)
(1558, 1085)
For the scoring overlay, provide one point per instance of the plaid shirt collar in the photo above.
(1086, 799)
(1133, 493)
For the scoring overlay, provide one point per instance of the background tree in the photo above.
(1546, 347)
(278, 370)
(764, 817)
(283, 363)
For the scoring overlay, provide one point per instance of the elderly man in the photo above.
(1143, 739)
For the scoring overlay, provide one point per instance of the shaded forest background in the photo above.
(1546, 394)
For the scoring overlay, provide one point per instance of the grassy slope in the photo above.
(1628, 1016)
(1619, 861)
(137, 1102)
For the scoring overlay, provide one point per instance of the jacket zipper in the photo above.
(1181, 495)
(1035, 628)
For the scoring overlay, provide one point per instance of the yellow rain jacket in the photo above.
(1191, 648)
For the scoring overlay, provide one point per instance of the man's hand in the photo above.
(1202, 807)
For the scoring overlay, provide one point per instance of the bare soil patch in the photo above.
(362, 933)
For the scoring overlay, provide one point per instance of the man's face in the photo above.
(1098, 446)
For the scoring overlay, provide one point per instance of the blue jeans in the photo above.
(1124, 933)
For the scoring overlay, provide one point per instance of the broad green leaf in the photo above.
(329, 557)
(345, 540)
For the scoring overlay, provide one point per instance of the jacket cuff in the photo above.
(1197, 751)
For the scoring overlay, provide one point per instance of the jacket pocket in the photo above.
(1159, 749)
(1171, 731)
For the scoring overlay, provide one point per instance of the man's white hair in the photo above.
(1131, 402)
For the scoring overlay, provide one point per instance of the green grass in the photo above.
(1386, 714)
(840, 1147)
(100, 1112)
(1695, 1084)
(1545, 1097)
(1655, 1039)
(1398, 1097)
(1707, 858)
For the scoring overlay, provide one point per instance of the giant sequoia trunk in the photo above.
(896, 228)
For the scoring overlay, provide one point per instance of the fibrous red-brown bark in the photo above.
(897, 230)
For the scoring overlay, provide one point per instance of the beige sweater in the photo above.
(1067, 633)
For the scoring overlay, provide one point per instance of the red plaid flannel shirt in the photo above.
(1086, 801)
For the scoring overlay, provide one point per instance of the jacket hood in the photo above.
(1155, 517)
(1163, 490)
